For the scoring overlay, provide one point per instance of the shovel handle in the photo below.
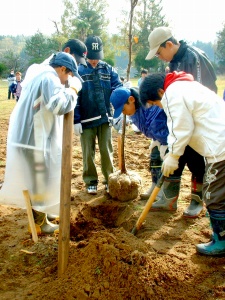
(148, 205)
(123, 167)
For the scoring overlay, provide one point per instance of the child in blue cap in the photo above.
(152, 122)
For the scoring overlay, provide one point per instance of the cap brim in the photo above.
(95, 55)
(75, 73)
(118, 111)
(152, 53)
(80, 60)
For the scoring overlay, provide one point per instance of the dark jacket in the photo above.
(194, 61)
(152, 122)
(93, 106)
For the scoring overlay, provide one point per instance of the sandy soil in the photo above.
(106, 261)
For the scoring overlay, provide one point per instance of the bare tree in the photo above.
(133, 4)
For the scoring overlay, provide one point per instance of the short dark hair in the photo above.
(134, 91)
(150, 86)
(144, 71)
(172, 39)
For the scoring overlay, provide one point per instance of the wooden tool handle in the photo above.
(30, 216)
(123, 167)
(148, 205)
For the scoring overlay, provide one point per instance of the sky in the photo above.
(191, 20)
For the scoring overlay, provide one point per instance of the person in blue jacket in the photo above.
(93, 116)
(152, 122)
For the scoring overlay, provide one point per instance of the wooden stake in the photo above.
(30, 216)
(65, 194)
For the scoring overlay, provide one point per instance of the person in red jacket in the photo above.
(195, 118)
(182, 57)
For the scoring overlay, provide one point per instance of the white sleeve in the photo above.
(58, 99)
(179, 120)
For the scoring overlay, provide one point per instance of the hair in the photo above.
(18, 73)
(57, 66)
(144, 71)
(135, 93)
(150, 86)
(172, 39)
(122, 78)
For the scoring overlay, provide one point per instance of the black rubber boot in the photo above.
(196, 205)
(170, 193)
(155, 170)
(217, 245)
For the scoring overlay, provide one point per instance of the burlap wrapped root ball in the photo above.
(124, 186)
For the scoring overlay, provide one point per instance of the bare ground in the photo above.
(106, 261)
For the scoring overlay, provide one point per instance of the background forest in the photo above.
(126, 50)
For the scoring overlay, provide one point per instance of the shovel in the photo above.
(121, 140)
(148, 205)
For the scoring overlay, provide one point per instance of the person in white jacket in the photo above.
(195, 117)
(34, 143)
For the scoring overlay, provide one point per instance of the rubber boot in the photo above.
(196, 205)
(217, 245)
(155, 173)
(170, 193)
(42, 224)
(52, 217)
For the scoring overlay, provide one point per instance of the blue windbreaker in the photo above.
(93, 105)
(152, 122)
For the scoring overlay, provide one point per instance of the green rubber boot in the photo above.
(170, 193)
(217, 245)
(155, 173)
(147, 194)
(196, 205)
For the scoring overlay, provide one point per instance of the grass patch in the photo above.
(6, 106)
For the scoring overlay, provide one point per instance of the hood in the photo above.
(176, 76)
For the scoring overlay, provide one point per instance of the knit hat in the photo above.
(118, 98)
(78, 49)
(94, 47)
(156, 38)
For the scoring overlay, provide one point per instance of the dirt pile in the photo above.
(106, 261)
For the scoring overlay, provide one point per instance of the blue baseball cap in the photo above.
(66, 60)
(118, 98)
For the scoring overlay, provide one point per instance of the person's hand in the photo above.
(78, 129)
(170, 164)
(162, 150)
(153, 145)
(74, 83)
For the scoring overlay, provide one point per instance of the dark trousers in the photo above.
(194, 161)
(9, 94)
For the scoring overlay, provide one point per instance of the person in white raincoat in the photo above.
(34, 143)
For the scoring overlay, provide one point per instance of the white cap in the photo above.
(158, 36)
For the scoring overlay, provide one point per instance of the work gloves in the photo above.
(153, 145)
(170, 164)
(162, 150)
(74, 83)
(78, 129)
